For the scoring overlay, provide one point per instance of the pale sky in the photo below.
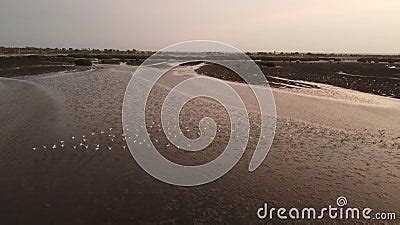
(348, 26)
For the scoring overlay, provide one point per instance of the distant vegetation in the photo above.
(76, 53)
(110, 61)
(105, 56)
(378, 60)
(83, 62)
(266, 63)
(135, 57)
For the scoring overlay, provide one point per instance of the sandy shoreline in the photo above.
(329, 142)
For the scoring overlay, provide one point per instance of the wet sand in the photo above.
(329, 142)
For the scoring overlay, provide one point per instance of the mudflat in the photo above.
(65, 159)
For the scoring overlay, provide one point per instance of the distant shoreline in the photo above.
(379, 78)
(141, 55)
